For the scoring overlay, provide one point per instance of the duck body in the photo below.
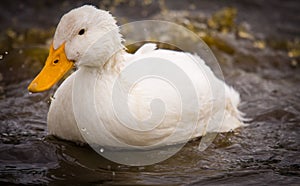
(63, 123)
(86, 107)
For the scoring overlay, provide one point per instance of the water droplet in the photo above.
(113, 173)
(52, 98)
(83, 129)
(6, 52)
(101, 150)
(1, 57)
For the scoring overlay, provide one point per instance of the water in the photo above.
(265, 152)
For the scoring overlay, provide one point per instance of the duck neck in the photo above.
(111, 65)
(115, 62)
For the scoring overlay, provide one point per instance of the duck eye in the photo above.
(81, 32)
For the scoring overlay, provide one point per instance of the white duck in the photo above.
(74, 116)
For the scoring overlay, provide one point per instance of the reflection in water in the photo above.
(264, 71)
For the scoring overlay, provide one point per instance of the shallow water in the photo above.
(267, 77)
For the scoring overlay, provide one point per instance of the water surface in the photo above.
(259, 59)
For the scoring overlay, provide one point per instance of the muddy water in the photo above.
(258, 52)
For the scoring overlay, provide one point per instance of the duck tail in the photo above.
(233, 118)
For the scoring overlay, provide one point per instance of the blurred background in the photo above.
(257, 44)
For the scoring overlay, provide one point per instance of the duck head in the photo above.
(85, 36)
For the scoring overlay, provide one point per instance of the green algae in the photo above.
(223, 20)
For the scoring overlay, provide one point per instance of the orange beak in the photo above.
(56, 66)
